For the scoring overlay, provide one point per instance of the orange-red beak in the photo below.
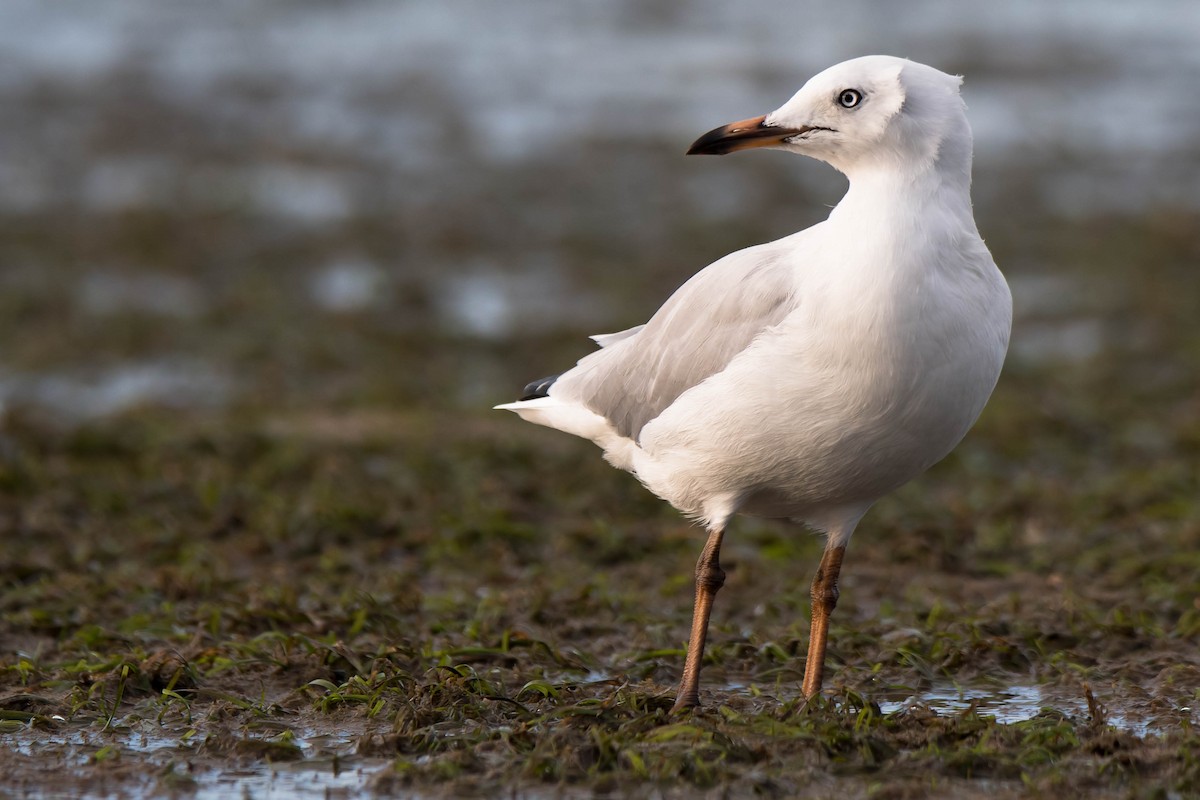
(742, 135)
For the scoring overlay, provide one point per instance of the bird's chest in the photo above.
(890, 345)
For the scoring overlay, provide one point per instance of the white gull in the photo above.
(808, 377)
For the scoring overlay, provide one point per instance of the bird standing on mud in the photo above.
(808, 377)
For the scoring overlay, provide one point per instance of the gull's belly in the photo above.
(874, 435)
(809, 422)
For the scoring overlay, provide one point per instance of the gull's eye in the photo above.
(849, 98)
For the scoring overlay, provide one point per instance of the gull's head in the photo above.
(868, 113)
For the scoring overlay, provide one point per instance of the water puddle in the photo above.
(297, 779)
(1019, 703)
(1007, 705)
(328, 767)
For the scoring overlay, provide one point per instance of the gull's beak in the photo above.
(742, 135)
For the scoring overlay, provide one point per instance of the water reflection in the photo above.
(328, 766)
(1017, 703)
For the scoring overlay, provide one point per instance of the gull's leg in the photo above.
(824, 600)
(709, 578)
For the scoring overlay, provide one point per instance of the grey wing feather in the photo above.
(696, 333)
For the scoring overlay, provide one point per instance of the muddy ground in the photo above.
(338, 573)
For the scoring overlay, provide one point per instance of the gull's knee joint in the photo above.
(825, 596)
(710, 576)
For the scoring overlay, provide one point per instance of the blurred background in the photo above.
(414, 204)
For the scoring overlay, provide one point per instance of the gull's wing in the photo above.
(697, 332)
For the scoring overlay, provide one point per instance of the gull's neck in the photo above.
(909, 183)
(888, 193)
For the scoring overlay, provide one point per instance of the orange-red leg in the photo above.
(824, 600)
(709, 579)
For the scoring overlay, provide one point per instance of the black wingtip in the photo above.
(539, 388)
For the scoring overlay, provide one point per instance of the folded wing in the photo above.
(697, 332)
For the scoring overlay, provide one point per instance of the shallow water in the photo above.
(296, 779)
(1007, 705)
(1043, 77)
(1019, 703)
(328, 767)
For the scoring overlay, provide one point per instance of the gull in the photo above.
(808, 377)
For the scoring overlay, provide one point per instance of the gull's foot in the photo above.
(812, 701)
(685, 703)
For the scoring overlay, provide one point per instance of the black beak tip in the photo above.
(713, 143)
